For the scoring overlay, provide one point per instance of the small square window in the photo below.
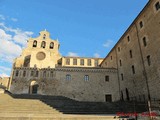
(68, 77)
(108, 98)
(107, 78)
(86, 78)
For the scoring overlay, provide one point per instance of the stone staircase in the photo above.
(32, 108)
(38, 107)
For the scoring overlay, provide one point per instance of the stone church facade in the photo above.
(41, 69)
(131, 70)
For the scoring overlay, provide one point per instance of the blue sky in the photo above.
(85, 28)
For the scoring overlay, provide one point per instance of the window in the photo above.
(144, 42)
(24, 73)
(107, 78)
(68, 61)
(86, 78)
(68, 77)
(108, 98)
(149, 60)
(82, 62)
(119, 49)
(51, 45)
(17, 72)
(37, 73)
(35, 43)
(157, 6)
(133, 69)
(111, 57)
(128, 38)
(96, 63)
(74, 61)
(120, 62)
(89, 62)
(32, 73)
(43, 44)
(122, 76)
(141, 24)
(130, 52)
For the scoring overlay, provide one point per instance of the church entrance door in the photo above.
(33, 88)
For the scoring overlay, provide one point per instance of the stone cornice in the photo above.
(71, 69)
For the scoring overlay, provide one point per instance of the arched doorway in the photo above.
(33, 88)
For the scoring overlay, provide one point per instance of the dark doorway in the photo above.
(34, 89)
(127, 94)
(108, 98)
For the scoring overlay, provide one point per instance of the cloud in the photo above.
(3, 75)
(6, 69)
(20, 36)
(14, 19)
(12, 41)
(108, 44)
(96, 55)
(72, 54)
(4, 36)
(2, 17)
(3, 71)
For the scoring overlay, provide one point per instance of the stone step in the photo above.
(55, 117)
(30, 112)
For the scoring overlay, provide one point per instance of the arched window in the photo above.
(86, 78)
(51, 45)
(43, 44)
(34, 43)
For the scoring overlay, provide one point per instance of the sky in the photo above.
(84, 28)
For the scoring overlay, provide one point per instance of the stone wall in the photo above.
(4, 82)
(54, 82)
(137, 55)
